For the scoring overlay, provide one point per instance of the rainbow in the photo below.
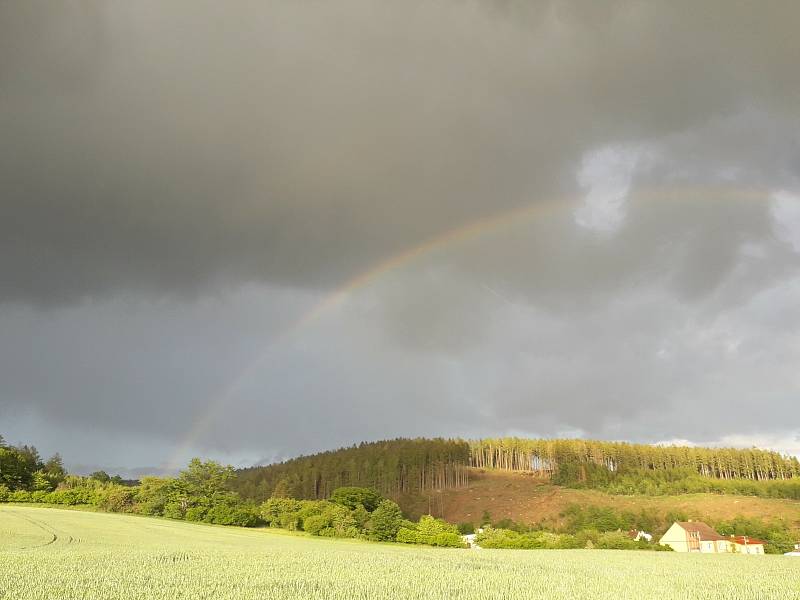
(464, 233)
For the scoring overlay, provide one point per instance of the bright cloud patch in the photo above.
(606, 175)
(786, 442)
(785, 211)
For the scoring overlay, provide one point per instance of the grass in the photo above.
(57, 554)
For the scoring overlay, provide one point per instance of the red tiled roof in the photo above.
(707, 534)
(740, 539)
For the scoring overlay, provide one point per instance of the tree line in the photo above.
(354, 512)
(572, 458)
(413, 466)
(21, 468)
(393, 467)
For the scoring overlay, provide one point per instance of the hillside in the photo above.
(524, 498)
(412, 466)
(535, 482)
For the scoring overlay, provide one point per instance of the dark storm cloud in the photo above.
(172, 147)
(180, 182)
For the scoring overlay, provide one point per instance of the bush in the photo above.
(407, 536)
(341, 521)
(512, 525)
(320, 518)
(429, 525)
(505, 538)
(19, 496)
(174, 509)
(39, 496)
(352, 497)
(431, 531)
(152, 495)
(232, 514)
(586, 538)
(385, 521)
(450, 540)
(282, 512)
(42, 483)
(360, 517)
(616, 540)
(315, 524)
(117, 498)
(466, 528)
(501, 538)
(311, 508)
(196, 513)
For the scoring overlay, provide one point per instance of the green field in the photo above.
(65, 555)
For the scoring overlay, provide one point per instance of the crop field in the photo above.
(66, 555)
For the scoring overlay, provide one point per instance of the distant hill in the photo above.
(405, 468)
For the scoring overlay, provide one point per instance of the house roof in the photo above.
(751, 541)
(707, 534)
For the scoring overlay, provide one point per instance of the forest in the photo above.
(392, 467)
(568, 458)
(412, 466)
(408, 466)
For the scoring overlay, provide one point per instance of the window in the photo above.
(694, 540)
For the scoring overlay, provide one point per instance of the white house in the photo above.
(695, 536)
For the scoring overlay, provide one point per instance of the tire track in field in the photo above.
(43, 526)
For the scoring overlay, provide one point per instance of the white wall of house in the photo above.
(749, 548)
(675, 538)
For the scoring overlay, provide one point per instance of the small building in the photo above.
(696, 536)
(636, 535)
(747, 545)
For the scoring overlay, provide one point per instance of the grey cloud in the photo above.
(639, 367)
(181, 182)
(128, 365)
(175, 147)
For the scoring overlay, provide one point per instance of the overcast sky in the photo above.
(604, 198)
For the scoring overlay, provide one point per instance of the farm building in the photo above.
(747, 545)
(695, 536)
(637, 535)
